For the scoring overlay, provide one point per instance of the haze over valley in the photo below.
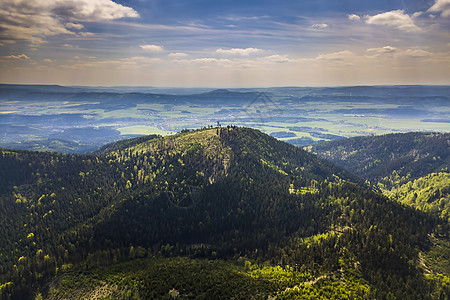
(81, 119)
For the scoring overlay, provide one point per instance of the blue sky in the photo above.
(224, 43)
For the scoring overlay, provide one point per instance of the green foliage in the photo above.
(437, 258)
(441, 286)
(413, 170)
(124, 144)
(327, 289)
(390, 159)
(218, 194)
(430, 193)
(162, 278)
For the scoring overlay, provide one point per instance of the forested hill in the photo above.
(412, 168)
(124, 144)
(227, 195)
(404, 156)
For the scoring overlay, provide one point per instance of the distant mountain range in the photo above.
(40, 117)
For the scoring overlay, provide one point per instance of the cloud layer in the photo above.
(19, 56)
(320, 26)
(201, 43)
(238, 51)
(35, 20)
(354, 17)
(397, 19)
(152, 48)
(442, 6)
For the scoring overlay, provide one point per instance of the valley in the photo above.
(81, 119)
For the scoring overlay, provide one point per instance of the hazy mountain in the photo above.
(94, 116)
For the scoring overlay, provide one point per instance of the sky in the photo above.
(234, 43)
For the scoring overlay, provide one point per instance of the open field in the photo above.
(300, 116)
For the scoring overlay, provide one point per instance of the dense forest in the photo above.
(390, 159)
(211, 213)
(430, 193)
(412, 168)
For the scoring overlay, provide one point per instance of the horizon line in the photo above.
(219, 87)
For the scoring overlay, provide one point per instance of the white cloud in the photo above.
(276, 58)
(177, 54)
(74, 25)
(340, 55)
(389, 52)
(20, 56)
(354, 17)
(86, 34)
(382, 65)
(127, 63)
(204, 63)
(382, 50)
(207, 60)
(237, 63)
(243, 18)
(417, 53)
(152, 48)
(397, 19)
(442, 6)
(319, 26)
(239, 51)
(84, 10)
(48, 60)
(32, 28)
(35, 20)
(138, 60)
